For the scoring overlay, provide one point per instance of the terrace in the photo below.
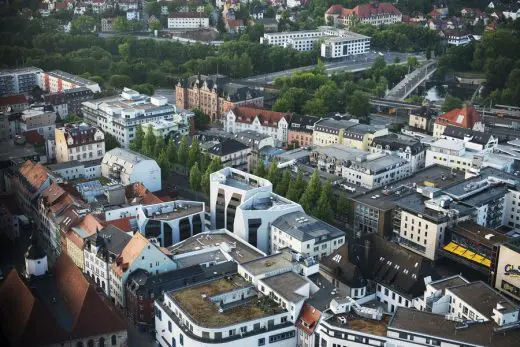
(358, 323)
(196, 303)
(172, 210)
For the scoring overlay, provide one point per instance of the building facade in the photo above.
(188, 20)
(79, 142)
(19, 81)
(58, 81)
(330, 131)
(374, 13)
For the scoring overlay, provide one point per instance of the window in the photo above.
(284, 319)
(169, 326)
(261, 341)
(243, 329)
(181, 339)
(114, 340)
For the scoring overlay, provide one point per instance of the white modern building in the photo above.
(79, 142)
(16, 81)
(306, 235)
(171, 222)
(361, 168)
(179, 124)
(73, 170)
(245, 205)
(334, 42)
(57, 81)
(188, 20)
(120, 115)
(127, 166)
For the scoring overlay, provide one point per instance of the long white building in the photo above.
(188, 20)
(127, 166)
(246, 205)
(120, 115)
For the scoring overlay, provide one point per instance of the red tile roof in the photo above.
(465, 117)
(90, 224)
(35, 174)
(247, 114)
(52, 194)
(138, 190)
(34, 138)
(13, 100)
(308, 320)
(122, 223)
(23, 318)
(234, 23)
(131, 251)
(365, 10)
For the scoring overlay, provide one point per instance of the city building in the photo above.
(13, 103)
(127, 166)
(300, 130)
(120, 115)
(373, 13)
(215, 95)
(171, 222)
(58, 81)
(231, 152)
(35, 309)
(19, 81)
(328, 131)
(465, 117)
(264, 121)
(73, 237)
(101, 250)
(474, 140)
(73, 170)
(361, 168)
(507, 279)
(79, 142)
(188, 20)
(348, 44)
(460, 155)
(28, 182)
(422, 118)
(406, 147)
(456, 37)
(139, 253)
(12, 220)
(106, 25)
(165, 127)
(373, 211)
(245, 205)
(42, 119)
(69, 101)
(306, 235)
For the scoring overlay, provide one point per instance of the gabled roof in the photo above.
(123, 224)
(339, 266)
(465, 117)
(130, 253)
(52, 193)
(228, 146)
(309, 318)
(111, 238)
(479, 137)
(13, 100)
(35, 174)
(269, 118)
(365, 10)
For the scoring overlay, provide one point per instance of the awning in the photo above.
(457, 249)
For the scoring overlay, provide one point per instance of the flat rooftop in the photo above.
(483, 298)
(239, 179)
(448, 282)
(12, 151)
(268, 264)
(266, 201)
(178, 212)
(195, 302)
(365, 325)
(240, 251)
(303, 227)
(286, 284)
(415, 203)
(384, 198)
(482, 235)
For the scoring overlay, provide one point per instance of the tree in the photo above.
(149, 142)
(164, 164)
(323, 209)
(111, 142)
(153, 8)
(171, 152)
(194, 152)
(359, 105)
(260, 170)
(120, 81)
(195, 177)
(272, 174)
(296, 188)
(283, 184)
(156, 25)
(159, 147)
(83, 25)
(215, 165)
(205, 160)
(412, 62)
(201, 120)
(182, 153)
(137, 143)
(450, 103)
(341, 206)
(311, 193)
(120, 24)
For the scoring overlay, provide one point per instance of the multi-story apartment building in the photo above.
(73, 239)
(73, 170)
(28, 182)
(129, 167)
(19, 81)
(474, 140)
(231, 152)
(139, 253)
(120, 115)
(329, 131)
(422, 119)
(406, 147)
(306, 235)
(245, 205)
(39, 118)
(188, 20)
(458, 154)
(171, 222)
(57, 81)
(361, 168)
(374, 13)
(215, 95)
(466, 117)
(274, 124)
(100, 251)
(164, 127)
(79, 142)
(300, 130)
(69, 101)
(13, 103)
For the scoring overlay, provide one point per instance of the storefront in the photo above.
(508, 269)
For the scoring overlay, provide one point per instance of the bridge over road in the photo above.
(411, 81)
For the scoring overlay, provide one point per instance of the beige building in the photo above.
(330, 131)
(507, 272)
(79, 142)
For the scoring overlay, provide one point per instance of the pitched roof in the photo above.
(111, 238)
(33, 137)
(269, 118)
(465, 117)
(90, 224)
(131, 251)
(13, 100)
(479, 137)
(122, 223)
(365, 10)
(339, 266)
(23, 318)
(228, 146)
(309, 318)
(138, 190)
(35, 174)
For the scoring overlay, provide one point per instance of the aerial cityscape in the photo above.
(235, 173)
